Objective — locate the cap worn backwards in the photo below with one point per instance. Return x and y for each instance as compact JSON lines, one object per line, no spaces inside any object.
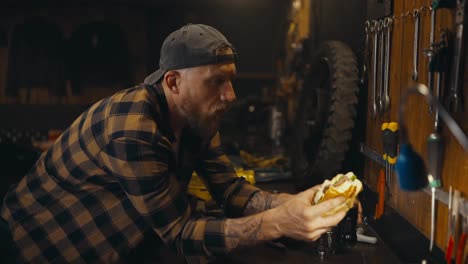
{"x":190,"y":46}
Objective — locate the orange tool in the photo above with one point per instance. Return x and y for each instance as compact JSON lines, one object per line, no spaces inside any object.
{"x":379,"y":207}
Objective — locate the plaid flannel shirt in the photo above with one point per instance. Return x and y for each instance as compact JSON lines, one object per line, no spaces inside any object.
{"x":111,"y":177}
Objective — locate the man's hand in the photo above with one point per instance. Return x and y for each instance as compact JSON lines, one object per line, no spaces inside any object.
{"x":299,"y":219}
{"x":295,"y":218}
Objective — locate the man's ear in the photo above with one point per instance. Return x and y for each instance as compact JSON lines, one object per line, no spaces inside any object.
{"x":171,"y":79}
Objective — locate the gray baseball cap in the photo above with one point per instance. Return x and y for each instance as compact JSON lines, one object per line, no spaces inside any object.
{"x":190,"y":46}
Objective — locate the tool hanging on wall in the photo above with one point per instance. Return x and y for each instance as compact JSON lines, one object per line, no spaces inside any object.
{"x":416,"y":16}
{"x":381,"y":35}
{"x":454,"y":103}
{"x":365,"y":60}
{"x":429,"y":52}
{"x":385,"y":99}
{"x":462,"y":242}
{"x":410,"y":166}
{"x":452,"y":231}
{"x":380,"y":206}
{"x":390,"y":149}
{"x":435,"y":146}
{"x":449,"y":213}
{"x":374,"y":67}
{"x":380,"y":32}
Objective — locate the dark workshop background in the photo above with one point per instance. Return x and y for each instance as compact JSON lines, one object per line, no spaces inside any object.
{"x":130,"y":34}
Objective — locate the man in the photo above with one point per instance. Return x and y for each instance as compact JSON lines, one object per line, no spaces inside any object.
{"x":122,"y":168}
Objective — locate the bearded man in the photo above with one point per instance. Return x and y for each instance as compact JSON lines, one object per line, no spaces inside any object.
{"x":121,"y":170}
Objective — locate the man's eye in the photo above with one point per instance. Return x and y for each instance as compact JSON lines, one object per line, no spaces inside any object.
{"x":218,"y":81}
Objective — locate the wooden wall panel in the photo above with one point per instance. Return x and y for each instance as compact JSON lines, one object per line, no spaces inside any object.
{"x":415,"y":206}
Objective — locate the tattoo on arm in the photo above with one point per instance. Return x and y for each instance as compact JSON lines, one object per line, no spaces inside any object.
{"x":262,"y":201}
{"x":244,"y":231}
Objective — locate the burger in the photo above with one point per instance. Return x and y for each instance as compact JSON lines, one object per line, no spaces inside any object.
{"x":347,"y":185}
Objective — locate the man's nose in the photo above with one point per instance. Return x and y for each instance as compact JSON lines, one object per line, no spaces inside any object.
{"x":228,"y":93}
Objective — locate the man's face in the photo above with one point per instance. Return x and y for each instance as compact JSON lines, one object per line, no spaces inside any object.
{"x":206,"y":92}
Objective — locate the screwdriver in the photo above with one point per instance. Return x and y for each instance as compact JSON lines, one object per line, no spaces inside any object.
{"x":435,"y":147}
{"x":452,"y":242}
{"x":435,"y":144}
{"x":390,"y":147}
{"x":462,"y":242}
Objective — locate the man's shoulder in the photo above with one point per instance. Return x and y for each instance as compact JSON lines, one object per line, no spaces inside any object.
{"x":133,"y":112}
{"x":134,"y":100}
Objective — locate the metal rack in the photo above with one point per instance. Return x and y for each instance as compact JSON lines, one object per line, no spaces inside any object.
{"x":441,"y":195}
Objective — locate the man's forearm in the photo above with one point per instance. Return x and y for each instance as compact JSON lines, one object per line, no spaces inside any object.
{"x":262,"y":201}
{"x":250,"y":230}
{"x":296,"y":218}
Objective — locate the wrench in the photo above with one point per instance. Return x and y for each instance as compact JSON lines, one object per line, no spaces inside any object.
{"x":374,"y":69}
{"x":387,"y":24}
{"x":366,"y":53}
{"x":430,"y":54}
{"x":415,"y":46}
{"x":454,"y":97}
{"x":381,"y":65}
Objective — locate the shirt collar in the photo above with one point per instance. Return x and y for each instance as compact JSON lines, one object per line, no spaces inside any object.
{"x":163,"y":124}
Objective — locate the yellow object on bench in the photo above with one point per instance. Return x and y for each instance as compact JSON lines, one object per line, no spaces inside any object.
{"x":198,"y":188}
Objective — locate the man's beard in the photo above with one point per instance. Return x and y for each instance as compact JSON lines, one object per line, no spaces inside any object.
{"x":202,"y":126}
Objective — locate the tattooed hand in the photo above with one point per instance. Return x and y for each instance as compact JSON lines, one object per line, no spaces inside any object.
{"x":295,"y":218}
{"x":299,"y":219}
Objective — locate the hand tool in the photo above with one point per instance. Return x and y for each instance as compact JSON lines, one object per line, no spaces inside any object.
{"x":433,"y":20}
{"x":386,"y":97}
{"x":430,"y":75}
{"x":385,"y":147}
{"x":435,"y":152}
{"x":434,"y":184}
{"x":439,"y":66}
{"x":453,"y":222}
{"x":430,"y":51}
{"x":416,"y":44}
{"x":379,"y":207}
{"x":449,"y":212}
{"x":454,"y":96}
{"x":435,"y":145}
{"x":456,"y":214}
{"x":374,"y":69}
{"x":390,"y":147}
{"x":381,"y":64}
{"x":462,"y":242}
{"x":365,"y":60}
{"x":393,"y":148}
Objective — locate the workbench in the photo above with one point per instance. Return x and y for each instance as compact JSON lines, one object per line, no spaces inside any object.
{"x":301,"y":252}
